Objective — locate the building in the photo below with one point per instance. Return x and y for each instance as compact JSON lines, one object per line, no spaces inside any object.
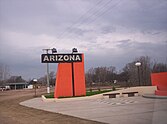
{"x":20,"y":85}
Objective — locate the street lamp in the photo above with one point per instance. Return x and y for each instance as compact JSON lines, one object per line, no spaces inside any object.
{"x":113,"y":87}
{"x":35,"y":85}
{"x":54,"y":50}
{"x":74,"y":50}
{"x":138,"y":64}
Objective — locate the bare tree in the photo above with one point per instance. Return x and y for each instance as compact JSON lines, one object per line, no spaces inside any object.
{"x":42,"y":80}
{"x":145,"y":70}
{"x":4,"y":73}
{"x":100,"y":75}
{"x":52,"y":78}
{"x":90,"y":77}
{"x":111,"y":74}
{"x":131,"y":72}
{"x":159,"y":67}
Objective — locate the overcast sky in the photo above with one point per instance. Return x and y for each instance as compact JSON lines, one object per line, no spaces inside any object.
{"x":109,"y":32}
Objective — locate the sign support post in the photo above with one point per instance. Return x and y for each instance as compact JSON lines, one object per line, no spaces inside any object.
{"x":48,"y":84}
{"x":47,"y":69}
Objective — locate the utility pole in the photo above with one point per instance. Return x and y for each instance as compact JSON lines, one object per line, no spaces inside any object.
{"x":47,"y":69}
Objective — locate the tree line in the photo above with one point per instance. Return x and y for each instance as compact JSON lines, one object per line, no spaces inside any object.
{"x":130,"y":75}
{"x":6,"y":78}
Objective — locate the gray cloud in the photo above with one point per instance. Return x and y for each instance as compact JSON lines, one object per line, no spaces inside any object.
{"x":141,"y":14}
{"x":108,"y":32}
{"x":108,"y":29}
{"x":130,"y":52}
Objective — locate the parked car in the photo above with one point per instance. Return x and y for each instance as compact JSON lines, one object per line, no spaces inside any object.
{"x":3,"y":88}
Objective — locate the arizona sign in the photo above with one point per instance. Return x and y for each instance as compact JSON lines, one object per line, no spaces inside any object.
{"x":61,"y":58}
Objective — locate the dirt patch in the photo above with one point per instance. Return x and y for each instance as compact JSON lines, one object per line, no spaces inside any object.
{"x":13,"y":113}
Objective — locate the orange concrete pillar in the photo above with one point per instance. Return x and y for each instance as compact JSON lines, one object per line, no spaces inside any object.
{"x":79,"y":78}
{"x":64,"y":87}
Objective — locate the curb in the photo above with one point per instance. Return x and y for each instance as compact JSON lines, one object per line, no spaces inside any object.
{"x":48,"y":100}
{"x":152,"y":96}
{"x":70,"y":99}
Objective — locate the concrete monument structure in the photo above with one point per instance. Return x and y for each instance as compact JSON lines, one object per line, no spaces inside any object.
{"x":70,"y":79}
{"x":160,"y":80}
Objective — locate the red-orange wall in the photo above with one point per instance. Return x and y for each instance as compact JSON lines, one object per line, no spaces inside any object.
{"x":63,"y":87}
{"x":160,"y":80}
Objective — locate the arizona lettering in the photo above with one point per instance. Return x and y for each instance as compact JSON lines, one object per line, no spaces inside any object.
{"x":58,"y":58}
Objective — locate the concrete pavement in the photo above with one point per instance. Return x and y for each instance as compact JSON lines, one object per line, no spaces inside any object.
{"x":131,"y":110}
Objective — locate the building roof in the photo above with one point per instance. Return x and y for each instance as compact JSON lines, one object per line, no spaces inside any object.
{"x":18,"y":83}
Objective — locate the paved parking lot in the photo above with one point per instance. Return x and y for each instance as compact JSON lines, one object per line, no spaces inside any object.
{"x":132,"y":110}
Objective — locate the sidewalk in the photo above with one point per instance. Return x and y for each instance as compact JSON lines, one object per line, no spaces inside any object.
{"x":132,"y":110}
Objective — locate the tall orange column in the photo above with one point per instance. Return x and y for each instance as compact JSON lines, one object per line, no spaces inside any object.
{"x":64,"y":86}
{"x":79,"y":78}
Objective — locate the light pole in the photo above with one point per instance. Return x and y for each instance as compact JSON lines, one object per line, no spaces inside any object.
{"x":138,"y":64}
{"x":113,"y":87}
{"x":47,"y":67}
{"x":74,"y":50}
{"x":35,"y":85}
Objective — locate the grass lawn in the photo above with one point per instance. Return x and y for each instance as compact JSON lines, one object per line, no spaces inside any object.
{"x":88,"y":93}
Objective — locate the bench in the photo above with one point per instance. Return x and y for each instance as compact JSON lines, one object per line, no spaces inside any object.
{"x":130,"y":94}
{"x":111,"y":95}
